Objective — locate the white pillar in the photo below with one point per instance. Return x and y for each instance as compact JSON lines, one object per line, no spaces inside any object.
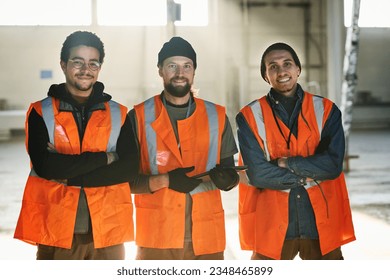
{"x":336,"y":46}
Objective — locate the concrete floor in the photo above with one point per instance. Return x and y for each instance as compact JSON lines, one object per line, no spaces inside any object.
{"x":368,"y":183}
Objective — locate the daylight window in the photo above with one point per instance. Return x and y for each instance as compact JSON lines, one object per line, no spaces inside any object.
{"x":45,"y":12}
{"x":372,"y":13}
{"x":150,"y":12}
{"x":108,"y":12}
{"x":124,"y":12}
{"x":193,"y":13}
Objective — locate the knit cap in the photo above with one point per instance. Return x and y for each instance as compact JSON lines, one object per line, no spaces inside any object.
{"x":177,"y":46}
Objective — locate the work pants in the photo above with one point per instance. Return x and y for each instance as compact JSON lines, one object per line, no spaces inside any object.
{"x":308,"y":249}
{"x":186,"y":253}
{"x":82,"y":249}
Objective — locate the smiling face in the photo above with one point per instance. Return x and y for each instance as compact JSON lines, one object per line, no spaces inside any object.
{"x":281,"y":72}
{"x":178,"y":74}
{"x":79,"y":81}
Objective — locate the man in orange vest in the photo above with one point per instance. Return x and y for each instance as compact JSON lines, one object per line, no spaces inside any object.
{"x":180,"y":135}
{"x":77,"y":203}
{"x":295,"y":200}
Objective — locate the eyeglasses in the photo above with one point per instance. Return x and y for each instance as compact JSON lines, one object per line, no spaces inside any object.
{"x":78,"y":63}
{"x":173,"y":68}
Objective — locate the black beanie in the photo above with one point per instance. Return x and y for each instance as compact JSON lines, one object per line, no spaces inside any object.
{"x":177,"y":46}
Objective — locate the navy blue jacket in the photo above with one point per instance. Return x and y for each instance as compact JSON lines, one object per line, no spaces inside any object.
{"x":326,"y":164}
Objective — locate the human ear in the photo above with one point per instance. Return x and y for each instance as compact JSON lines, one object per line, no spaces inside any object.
{"x":63,"y":66}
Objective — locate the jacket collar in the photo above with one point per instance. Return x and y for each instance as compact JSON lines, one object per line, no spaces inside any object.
{"x":67,"y":103}
{"x":299,"y":92}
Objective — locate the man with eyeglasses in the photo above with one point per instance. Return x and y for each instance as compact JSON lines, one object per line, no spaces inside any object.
{"x":77,"y":203}
{"x":178,"y":216}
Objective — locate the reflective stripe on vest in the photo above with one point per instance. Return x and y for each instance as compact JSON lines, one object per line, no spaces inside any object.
{"x":48,"y":117}
{"x":213,"y":147}
{"x":319,"y":112}
{"x":151,"y":134}
{"x":258,"y":115}
{"x":213,"y":137}
{"x":151,"y":137}
{"x":115,"y":126}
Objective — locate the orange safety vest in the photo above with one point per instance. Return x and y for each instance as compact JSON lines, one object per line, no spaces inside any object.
{"x":263,"y":213}
{"x":160,"y":217}
{"x":48,"y":212}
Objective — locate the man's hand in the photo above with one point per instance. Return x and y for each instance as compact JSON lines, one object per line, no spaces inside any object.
{"x":282,"y":162}
{"x":111,"y":157}
{"x":51,"y":148}
{"x":62,"y":181}
{"x":224,"y":178}
{"x":180,"y":182}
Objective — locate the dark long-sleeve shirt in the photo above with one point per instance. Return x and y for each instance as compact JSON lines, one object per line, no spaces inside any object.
{"x":88,"y":169}
{"x":140,"y":184}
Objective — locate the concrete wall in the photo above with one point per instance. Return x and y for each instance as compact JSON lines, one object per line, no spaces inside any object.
{"x":228,"y":50}
{"x":129,"y":71}
{"x":374,"y":63}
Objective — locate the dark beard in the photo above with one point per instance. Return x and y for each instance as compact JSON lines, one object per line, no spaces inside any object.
{"x":178,"y":91}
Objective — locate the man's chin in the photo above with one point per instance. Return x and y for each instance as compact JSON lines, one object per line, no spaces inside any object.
{"x":84,"y":87}
{"x":178,"y":91}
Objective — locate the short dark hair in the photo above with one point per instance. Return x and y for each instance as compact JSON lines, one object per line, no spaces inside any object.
{"x":82,"y":38}
{"x":277,"y":47}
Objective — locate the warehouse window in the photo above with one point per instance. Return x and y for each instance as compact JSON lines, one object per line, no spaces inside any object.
{"x":124,"y":12}
{"x":45,"y":12}
{"x":108,"y":12}
{"x":150,"y":12}
{"x":193,"y":13}
{"x":372,"y":13}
